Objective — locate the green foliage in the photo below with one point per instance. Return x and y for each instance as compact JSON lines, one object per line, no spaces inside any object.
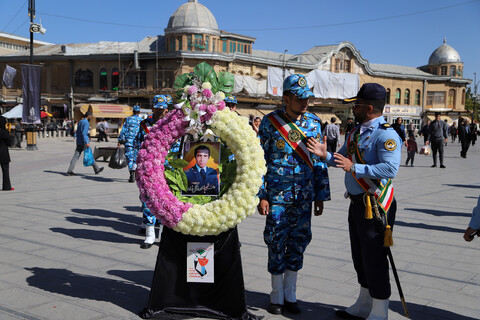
{"x":181,"y":82}
{"x":225,"y":82}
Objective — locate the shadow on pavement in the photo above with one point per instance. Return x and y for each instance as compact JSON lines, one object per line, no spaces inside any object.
{"x":439,"y":213}
{"x":134,"y":208}
{"x":96,"y":235}
{"x":109,"y":214}
{"x":463,"y":186}
{"x":126,"y":295}
{"x":63,"y":173}
{"x":421,"y":312}
{"x":141,"y":277}
{"x":429,"y":227}
{"x":127,"y":228}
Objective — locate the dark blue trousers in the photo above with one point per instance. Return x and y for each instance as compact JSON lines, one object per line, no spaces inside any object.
{"x":368,"y":253}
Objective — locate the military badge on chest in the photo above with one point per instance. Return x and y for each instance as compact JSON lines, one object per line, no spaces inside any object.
{"x":352,"y":147}
{"x":280,"y":144}
{"x":294,"y":135}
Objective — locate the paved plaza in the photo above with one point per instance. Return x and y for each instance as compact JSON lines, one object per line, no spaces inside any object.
{"x":69,"y":246}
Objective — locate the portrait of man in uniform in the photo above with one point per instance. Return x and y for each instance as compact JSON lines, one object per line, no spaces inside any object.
{"x":202,"y":174}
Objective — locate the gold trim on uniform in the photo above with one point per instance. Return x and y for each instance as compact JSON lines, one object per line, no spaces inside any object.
{"x":294,"y":135}
{"x":390,"y":145}
{"x":280,"y":144}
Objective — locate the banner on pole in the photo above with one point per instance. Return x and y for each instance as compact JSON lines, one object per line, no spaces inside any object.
{"x":8,"y":76}
{"x":32,"y":88}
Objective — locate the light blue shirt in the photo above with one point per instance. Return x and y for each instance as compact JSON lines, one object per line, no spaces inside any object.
{"x":82,"y":132}
{"x":381,"y":149}
{"x":475,"y":220}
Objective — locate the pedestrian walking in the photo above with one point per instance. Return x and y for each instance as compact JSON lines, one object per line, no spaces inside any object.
{"x":102,"y":130}
{"x":425,"y":132}
{"x":83,"y":142}
{"x":465,"y":137}
{"x":370,"y":158}
{"x":398,"y":126}
{"x":438,"y":135}
{"x":294,"y":180}
{"x":411,"y":149}
{"x":6,"y":140}
{"x":18,"y":133}
{"x":333,"y":135}
{"x":453,"y":131}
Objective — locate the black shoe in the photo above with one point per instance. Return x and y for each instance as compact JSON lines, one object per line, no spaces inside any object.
{"x":345,"y":315}
{"x":132,"y":177}
{"x":146,"y":245}
{"x":70,"y":173}
{"x":275,"y":308}
{"x":433,"y":166}
{"x":99,"y":170}
{"x":442,"y":166}
{"x":292,"y":307}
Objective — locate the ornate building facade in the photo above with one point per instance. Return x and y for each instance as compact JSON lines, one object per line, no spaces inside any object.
{"x":133,"y":72}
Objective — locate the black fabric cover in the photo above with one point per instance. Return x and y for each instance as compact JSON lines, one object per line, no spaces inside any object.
{"x":170,"y":292}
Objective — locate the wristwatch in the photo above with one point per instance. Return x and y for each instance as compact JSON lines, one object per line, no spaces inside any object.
{"x":352,"y":168}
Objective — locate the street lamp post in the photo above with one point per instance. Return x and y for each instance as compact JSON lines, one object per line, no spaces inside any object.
{"x":475,"y":85}
{"x":283,"y":64}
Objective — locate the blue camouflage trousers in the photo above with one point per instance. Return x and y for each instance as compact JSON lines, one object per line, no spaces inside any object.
{"x":148,"y":218}
{"x":131,"y":155}
{"x":287,"y":234}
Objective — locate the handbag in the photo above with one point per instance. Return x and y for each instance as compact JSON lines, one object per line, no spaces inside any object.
{"x":425,"y":150}
{"x":88,"y":159}
{"x":118,"y":159}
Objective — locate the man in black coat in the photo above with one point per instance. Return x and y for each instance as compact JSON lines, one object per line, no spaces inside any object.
{"x":438,"y":131}
{"x":465,"y":137}
{"x":5,"y":141}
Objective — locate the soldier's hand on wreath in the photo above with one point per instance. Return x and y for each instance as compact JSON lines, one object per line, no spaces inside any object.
{"x":342,"y":162}
{"x":263,"y":207}
{"x":318,"y":207}
{"x":318,"y":148}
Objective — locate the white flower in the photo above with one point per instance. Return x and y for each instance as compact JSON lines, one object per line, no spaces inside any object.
{"x":206,"y":85}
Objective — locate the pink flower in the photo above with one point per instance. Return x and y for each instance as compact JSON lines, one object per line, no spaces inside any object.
{"x":221,"y":105}
{"x":211,"y":109}
{"x":202,"y":107}
{"x":208,"y":116}
{"x":207,"y":93}
{"x":192,"y":90}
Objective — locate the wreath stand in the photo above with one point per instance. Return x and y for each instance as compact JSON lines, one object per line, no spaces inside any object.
{"x":172,"y":294}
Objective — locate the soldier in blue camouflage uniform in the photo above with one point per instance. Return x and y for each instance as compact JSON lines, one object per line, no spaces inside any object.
{"x":290,"y":186}
{"x":128,"y":137}
{"x":159,"y":108}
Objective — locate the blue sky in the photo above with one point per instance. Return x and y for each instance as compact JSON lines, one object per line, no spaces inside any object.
{"x":390,"y":32}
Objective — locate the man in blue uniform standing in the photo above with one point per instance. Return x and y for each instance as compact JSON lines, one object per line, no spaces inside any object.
{"x":83,"y":142}
{"x":371,"y":158}
{"x":294,"y":180}
{"x":128,"y":137}
{"x":159,"y":111}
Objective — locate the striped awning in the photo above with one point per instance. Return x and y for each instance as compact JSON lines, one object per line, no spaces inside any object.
{"x":105,"y":110}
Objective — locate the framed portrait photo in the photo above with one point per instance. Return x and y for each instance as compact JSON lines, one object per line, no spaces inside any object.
{"x":202,"y":170}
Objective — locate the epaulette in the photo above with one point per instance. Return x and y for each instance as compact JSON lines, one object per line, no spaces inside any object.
{"x":385,"y":126}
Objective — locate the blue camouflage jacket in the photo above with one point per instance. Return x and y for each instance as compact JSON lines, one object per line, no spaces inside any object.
{"x":289,"y":178}
{"x":130,"y":131}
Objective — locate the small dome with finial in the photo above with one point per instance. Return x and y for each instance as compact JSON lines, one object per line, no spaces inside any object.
{"x":444,"y":54}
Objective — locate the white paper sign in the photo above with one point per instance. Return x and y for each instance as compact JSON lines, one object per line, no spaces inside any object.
{"x":200,"y":262}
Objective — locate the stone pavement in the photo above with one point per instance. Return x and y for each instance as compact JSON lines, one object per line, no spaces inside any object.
{"x":69,"y":246}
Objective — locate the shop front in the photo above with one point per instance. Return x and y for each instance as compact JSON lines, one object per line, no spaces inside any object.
{"x":115,"y":114}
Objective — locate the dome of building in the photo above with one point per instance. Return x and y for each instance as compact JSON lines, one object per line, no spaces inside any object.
{"x":192,"y":17}
{"x":444,"y":54}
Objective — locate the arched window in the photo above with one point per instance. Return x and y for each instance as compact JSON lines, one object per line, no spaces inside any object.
{"x":451,"y":98}
{"x":417,"y":97}
{"x":397,"y":96}
{"x":453,"y":71}
{"x":103,"y":79}
{"x":84,"y":78}
{"x":115,"y":79}
{"x":443,"y":71}
{"x":387,"y":100}
{"x":406,"y":99}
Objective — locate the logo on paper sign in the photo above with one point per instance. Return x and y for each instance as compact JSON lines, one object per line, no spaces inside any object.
{"x":200,"y":262}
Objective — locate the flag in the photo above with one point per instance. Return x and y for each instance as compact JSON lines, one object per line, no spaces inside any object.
{"x":31,"y":87}
{"x":8,"y":76}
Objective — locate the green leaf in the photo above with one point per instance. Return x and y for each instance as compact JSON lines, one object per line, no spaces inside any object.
{"x":177,"y":163}
{"x":203,"y":71}
{"x":180,"y":82}
{"x":226,"y":81}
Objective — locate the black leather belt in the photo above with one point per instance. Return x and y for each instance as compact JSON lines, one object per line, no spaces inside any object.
{"x":357,"y":198}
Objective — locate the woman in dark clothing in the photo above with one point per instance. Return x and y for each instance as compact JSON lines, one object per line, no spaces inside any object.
{"x":5,"y":141}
